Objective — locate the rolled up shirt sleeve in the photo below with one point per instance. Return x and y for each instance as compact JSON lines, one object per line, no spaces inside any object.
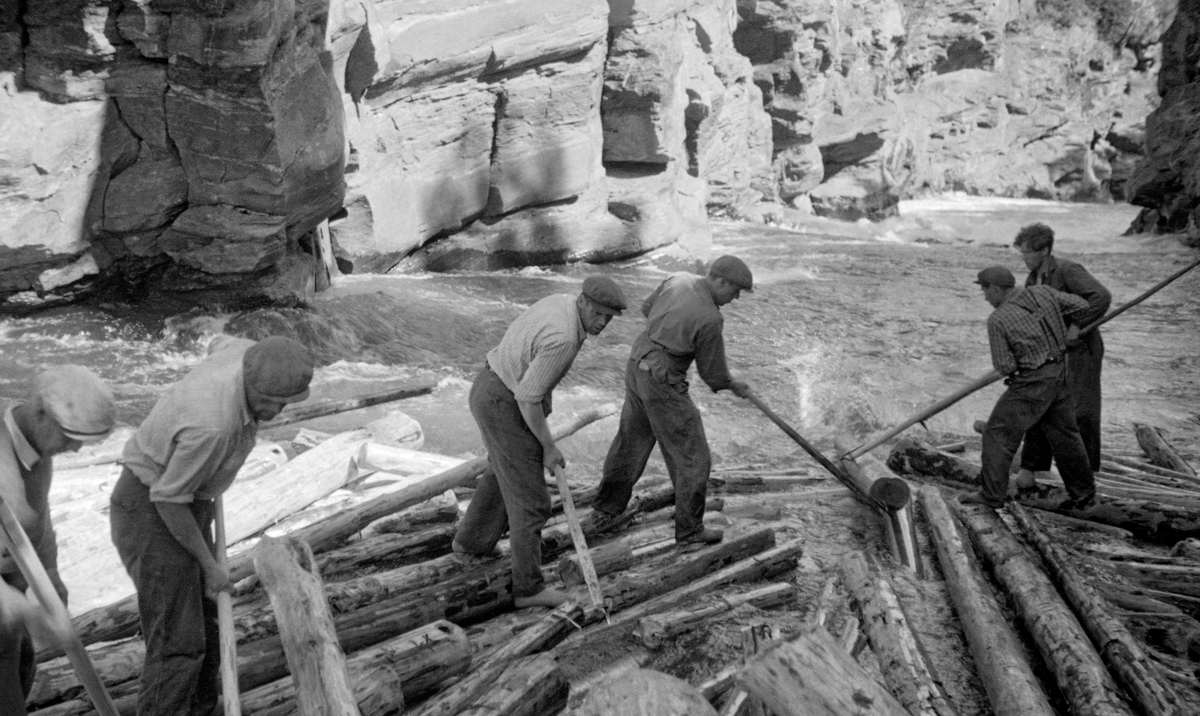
{"x":549,"y":365}
{"x":197,"y":455}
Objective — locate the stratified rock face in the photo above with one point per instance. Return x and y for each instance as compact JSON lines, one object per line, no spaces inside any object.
{"x":1167,"y":181}
{"x":173,"y":145}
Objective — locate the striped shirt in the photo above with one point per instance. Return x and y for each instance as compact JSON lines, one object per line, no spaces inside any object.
{"x":538,"y":348}
{"x":1028,"y":329}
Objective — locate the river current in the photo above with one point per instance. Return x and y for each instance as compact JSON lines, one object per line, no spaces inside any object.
{"x":850,"y":328}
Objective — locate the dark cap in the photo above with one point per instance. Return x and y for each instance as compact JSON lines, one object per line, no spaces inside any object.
{"x":605,"y":294}
{"x":733,"y":270}
{"x":996,"y":276}
{"x":78,"y":400}
{"x":278,"y":368}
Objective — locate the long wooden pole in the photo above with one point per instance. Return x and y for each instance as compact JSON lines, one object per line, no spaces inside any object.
{"x":228,"y":639}
{"x":992,"y":376}
{"x":13,"y":535}
{"x":581,"y":546}
{"x":330,"y":407}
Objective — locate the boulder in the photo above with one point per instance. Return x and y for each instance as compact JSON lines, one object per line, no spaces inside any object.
{"x":147,"y":195}
{"x":225,"y":239}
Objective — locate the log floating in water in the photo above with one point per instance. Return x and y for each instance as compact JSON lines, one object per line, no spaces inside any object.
{"x":812,"y":676}
{"x":1159,"y":450}
{"x":901,"y":658}
{"x":1113,"y":641}
{"x":315,"y":660}
{"x":1007,"y":676}
{"x":1078,"y":670}
{"x":653,"y":630}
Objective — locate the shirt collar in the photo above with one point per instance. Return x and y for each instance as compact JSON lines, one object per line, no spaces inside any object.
{"x":26,"y":453}
{"x":1047,"y":267}
{"x":581,"y":333}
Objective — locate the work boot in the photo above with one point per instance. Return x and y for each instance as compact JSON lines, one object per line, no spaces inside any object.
{"x":1082,"y":503}
{"x":548,"y":597}
{"x":600,"y":522}
{"x":462,"y":552}
{"x":706,"y":535}
{"x":977,"y":498}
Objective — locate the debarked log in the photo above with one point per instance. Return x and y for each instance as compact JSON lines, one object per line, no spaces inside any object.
{"x":1152,"y":520}
{"x":416,"y":663}
{"x":1115,"y":644}
{"x":530,"y":686}
{"x":1159,"y":450}
{"x":120,"y":619}
{"x":654,"y":630}
{"x":1007,"y":676}
{"x":1064,"y":645}
{"x":812,"y":675}
{"x":902,"y":660}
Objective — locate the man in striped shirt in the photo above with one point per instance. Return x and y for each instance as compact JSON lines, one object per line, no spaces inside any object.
{"x":1028,"y":338}
{"x":510,"y":399}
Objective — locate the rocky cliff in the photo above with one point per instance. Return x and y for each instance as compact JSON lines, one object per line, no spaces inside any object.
{"x":231,"y":151}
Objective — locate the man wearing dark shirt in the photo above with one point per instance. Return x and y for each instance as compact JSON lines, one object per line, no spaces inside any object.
{"x":1027,"y":335}
{"x":1084,"y":355}
{"x":683,"y":325}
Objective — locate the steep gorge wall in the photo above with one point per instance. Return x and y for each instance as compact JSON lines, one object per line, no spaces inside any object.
{"x":195,"y":149}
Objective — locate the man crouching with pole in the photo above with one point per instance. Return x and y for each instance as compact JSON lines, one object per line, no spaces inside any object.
{"x":184,"y":455}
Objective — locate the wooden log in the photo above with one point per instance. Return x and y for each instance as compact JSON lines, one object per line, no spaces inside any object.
{"x":891,"y":492}
{"x":387,"y":550}
{"x":1178,"y":579}
{"x":1115,"y":644}
{"x":581,"y":687}
{"x":231,"y":705}
{"x":315,"y":660}
{"x":417,"y":662}
{"x":1107,"y":461}
{"x":1078,"y":670}
{"x":1160,"y":451}
{"x":812,"y":676}
{"x":642,"y":692}
{"x":531,"y":686}
{"x":1149,"y":519}
{"x":546,"y":633}
{"x":120,"y":620}
{"x":901,"y":658}
{"x":697,"y":573}
{"x":611,"y":557}
{"x":732,"y":484}
{"x":652,"y":631}
{"x":116,"y":662}
{"x":374,"y":457}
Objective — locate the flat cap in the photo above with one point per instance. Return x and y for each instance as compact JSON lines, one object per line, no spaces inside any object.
{"x":733,"y":270}
{"x":279,"y":368}
{"x":996,"y":276}
{"x":78,"y":400}
{"x":605,"y":294}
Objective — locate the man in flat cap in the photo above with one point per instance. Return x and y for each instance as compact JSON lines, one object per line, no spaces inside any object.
{"x":1028,"y":337}
{"x":1084,"y":354}
{"x":510,"y":399}
{"x":186,"y":453}
{"x":67,"y":407}
{"x":684,"y":324}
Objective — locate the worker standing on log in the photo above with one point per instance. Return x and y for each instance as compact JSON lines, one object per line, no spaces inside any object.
{"x":684,"y":324}
{"x":1028,"y":338}
{"x":68,"y":406}
{"x":510,"y":399}
{"x":1084,"y":354}
{"x":186,"y":453}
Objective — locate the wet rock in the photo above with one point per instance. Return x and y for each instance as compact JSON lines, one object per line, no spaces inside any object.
{"x":225,"y":239}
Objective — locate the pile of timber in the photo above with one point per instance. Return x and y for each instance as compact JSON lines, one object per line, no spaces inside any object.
{"x":394,"y":605}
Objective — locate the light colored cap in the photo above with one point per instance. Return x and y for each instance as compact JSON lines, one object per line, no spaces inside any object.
{"x":78,"y":400}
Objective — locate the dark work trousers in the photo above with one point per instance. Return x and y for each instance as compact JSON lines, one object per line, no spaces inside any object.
{"x":17,"y":662}
{"x":1083,"y":383}
{"x":1035,"y":398}
{"x":181,"y":672}
{"x":656,"y":412}
{"x":511,"y":494}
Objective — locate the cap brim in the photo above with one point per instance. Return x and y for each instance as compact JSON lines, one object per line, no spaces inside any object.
{"x":298,"y":397}
{"x":88,"y":438}
{"x":600,"y":307}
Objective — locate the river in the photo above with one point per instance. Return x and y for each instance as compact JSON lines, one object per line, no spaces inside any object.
{"x":851,"y":328}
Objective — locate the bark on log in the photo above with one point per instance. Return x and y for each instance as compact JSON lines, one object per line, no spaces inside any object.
{"x":812,"y":676}
{"x":1116,"y":645}
{"x":415,"y":662}
{"x":546,"y":633}
{"x":1181,"y":580}
{"x":120,"y":620}
{"x":315,"y":660}
{"x":739,"y":484}
{"x":392,"y":550}
{"x":611,"y":557}
{"x":329,"y":407}
{"x":1078,"y":670}
{"x":1152,"y":520}
{"x":1011,"y":685}
{"x":652,"y":631}
{"x":1160,"y":451}
{"x":532,"y":686}
{"x":901,"y":658}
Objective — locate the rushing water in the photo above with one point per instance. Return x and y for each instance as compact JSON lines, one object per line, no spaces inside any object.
{"x":850,"y":329}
